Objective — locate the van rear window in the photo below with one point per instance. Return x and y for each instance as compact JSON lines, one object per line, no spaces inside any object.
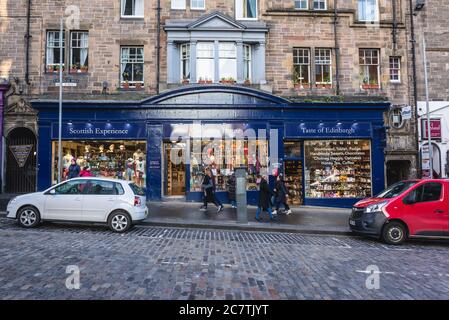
{"x":138,"y":191}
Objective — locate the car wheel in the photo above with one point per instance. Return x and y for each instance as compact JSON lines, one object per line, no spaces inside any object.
{"x":119,"y":221}
{"x":394,"y":233}
{"x":28,"y":217}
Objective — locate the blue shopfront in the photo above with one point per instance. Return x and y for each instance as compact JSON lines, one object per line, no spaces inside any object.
{"x":331,"y":154}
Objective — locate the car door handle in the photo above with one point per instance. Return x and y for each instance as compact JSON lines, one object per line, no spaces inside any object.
{"x":439,"y":211}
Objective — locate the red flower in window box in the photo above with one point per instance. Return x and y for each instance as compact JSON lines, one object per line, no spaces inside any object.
{"x":185,"y":81}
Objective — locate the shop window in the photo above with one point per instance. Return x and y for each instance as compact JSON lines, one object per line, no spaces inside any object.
{"x":53,"y":51}
{"x":368,"y":10}
{"x":205,"y":65}
{"x":337,"y":168}
{"x":292,"y":149}
{"x":185,"y":61}
{"x":319,"y":4}
{"x":323,"y":67}
{"x":108,"y":159}
{"x":227,"y":61}
{"x":178,"y":4}
{"x":301,"y":66}
{"x":132,"y":8}
{"x":197,"y":4}
{"x":132,"y":66}
{"x":246,"y":9}
{"x":369,"y":68}
{"x":301,"y":4}
{"x":247,"y":62}
{"x":79,"y":51}
{"x":223,"y":156}
{"x":293,"y":171}
{"x":395,"y":69}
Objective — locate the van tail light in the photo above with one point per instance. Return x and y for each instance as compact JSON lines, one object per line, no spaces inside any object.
{"x":137,"y":201}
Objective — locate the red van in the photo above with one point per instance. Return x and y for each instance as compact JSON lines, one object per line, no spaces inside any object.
{"x":412,"y":208}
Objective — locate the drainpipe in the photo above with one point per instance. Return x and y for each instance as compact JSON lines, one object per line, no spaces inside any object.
{"x":415,"y":90}
{"x":337,"y":51}
{"x":27,"y":38}
{"x":395,"y":24}
{"x":158,"y":47}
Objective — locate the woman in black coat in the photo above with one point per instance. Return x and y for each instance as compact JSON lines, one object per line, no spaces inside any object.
{"x":265,"y":195}
{"x":281,"y":195}
{"x":74,"y":170}
{"x":208,"y":189}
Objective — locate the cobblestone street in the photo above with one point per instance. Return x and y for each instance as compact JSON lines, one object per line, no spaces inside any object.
{"x":167,"y":263}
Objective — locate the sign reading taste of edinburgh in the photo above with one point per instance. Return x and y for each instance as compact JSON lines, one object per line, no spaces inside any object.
{"x":100,"y":130}
{"x":21,"y":153}
{"x":328,"y":129}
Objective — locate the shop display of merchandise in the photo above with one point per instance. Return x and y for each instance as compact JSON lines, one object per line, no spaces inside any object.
{"x":293,"y":181}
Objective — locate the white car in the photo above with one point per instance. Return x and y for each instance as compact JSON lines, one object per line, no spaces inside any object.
{"x":118,"y":203}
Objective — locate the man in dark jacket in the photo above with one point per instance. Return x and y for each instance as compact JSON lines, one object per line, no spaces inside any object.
{"x":208,"y":189}
{"x":74,"y":169}
{"x":264,"y":198}
{"x":281,"y":195}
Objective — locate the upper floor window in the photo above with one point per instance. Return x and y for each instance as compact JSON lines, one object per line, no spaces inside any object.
{"x":53,"y":51}
{"x":323,"y":66}
{"x":368,"y":10}
{"x":79,"y":54}
{"x":227,"y":64}
{"x":301,"y":66}
{"x":205,"y":65}
{"x":131,"y":66}
{"x":302,"y":4}
{"x":246,"y":9}
{"x":369,"y":68}
{"x":178,"y":4}
{"x":197,"y":4}
{"x":132,"y":8}
{"x":247,"y":62}
{"x":185,"y":61}
{"x":319,"y":4}
{"x":395,"y":69}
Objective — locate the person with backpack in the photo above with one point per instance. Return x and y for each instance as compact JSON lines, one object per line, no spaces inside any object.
{"x":281,"y":195}
{"x":265,"y":194}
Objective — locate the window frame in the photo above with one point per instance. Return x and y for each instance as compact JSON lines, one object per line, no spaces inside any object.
{"x":183,"y":7}
{"x":319,"y":2}
{"x":367,"y":65}
{"x":301,"y":1}
{"x":247,"y":59}
{"x":330,"y":82}
{"x":240,"y":4}
{"x":376,"y":18}
{"x":122,"y":15}
{"x":398,"y":69}
{"x":198,"y":78}
{"x":64,"y":46}
{"x":221,"y":58}
{"x":181,"y":59}
{"x":303,"y":64}
{"x":131,"y":82}
{"x":72,"y":47}
{"x":198,"y":8}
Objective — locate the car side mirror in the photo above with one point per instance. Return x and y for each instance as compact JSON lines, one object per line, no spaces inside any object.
{"x":52,"y":192}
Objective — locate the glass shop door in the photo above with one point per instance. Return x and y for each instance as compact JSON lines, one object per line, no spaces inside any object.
{"x":175,"y":170}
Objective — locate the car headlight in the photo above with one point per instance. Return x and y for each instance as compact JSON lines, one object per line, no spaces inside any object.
{"x":377,"y":207}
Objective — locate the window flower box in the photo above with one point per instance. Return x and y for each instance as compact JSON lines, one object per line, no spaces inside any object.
{"x":247,"y":82}
{"x":209,"y":81}
{"x":185,"y":81}
{"x":138,"y":85}
{"x":201,"y":81}
{"x":328,"y":86}
{"x":125,"y":85}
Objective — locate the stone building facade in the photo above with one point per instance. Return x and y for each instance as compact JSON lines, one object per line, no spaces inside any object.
{"x":329,"y":35}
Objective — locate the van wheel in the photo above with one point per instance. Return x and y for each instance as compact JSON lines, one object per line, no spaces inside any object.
{"x":119,"y":221}
{"x":394,"y":233}
{"x":28,"y":217}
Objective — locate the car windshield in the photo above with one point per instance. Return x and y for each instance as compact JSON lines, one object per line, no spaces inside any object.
{"x":138,"y":191}
{"x":396,"y":189}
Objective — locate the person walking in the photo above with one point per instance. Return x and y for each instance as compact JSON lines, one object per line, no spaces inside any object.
{"x":281,"y":195}
{"x":264,"y":198}
{"x":230,"y":184}
{"x":74,"y":170}
{"x":208,"y":190}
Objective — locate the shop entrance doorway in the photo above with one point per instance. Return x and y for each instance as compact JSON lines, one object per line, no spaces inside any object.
{"x":175,"y":169}
{"x":397,"y":170}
